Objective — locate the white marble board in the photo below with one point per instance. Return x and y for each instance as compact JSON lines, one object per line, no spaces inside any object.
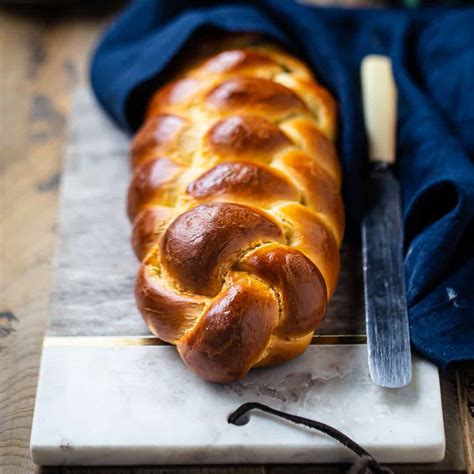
{"x":105,"y":398}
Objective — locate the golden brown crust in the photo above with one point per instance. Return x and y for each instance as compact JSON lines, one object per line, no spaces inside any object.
{"x":172,"y":95}
{"x":152,"y":184}
{"x":243,"y":182}
{"x":148,"y":228}
{"x":158,"y":136}
{"x":281,"y":350}
{"x":241,"y":136}
{"x":301,"y":287}
{"x":252,"y":94}
{"x":236,"y":61}
{"x":168,"y":314}
{"x":319,"y":190}
{"x":236,"y":209}
{"x":313,"y":142}
{"x":202,"y":244}
{"x":310,"y":236}
{"x":233,"y":332}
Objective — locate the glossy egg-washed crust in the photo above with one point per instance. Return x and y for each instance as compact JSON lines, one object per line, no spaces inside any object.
{"x":236,"y":209}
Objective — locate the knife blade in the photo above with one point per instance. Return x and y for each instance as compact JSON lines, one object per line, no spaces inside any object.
{"x":388,"y":336}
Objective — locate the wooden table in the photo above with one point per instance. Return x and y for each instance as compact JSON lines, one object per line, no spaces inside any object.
{"x":43,"y":57}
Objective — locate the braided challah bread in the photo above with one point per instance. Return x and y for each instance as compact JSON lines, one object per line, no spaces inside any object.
{"x":236,"y":210}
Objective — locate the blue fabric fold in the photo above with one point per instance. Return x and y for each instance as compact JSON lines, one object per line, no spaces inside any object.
{"x":432,"y":51}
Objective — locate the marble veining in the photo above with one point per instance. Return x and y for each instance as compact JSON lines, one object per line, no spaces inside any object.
{"x":140,"y":404}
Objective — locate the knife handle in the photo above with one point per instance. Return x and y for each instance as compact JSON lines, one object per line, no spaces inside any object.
{"x":379,"y":99}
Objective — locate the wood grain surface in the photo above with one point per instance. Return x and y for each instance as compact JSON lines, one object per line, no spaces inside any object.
{"x":44,"y":52}
{"x":43,"y":56}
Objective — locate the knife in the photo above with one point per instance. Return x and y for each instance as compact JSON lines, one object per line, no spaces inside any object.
{"x":388,"y":336}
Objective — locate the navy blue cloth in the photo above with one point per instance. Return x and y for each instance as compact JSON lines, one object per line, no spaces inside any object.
{"x":433,"y":58}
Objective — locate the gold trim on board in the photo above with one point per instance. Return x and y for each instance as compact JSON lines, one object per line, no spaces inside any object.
{"x":121,"y":341}
{"x":102,"y":341}
{"x":338,"y":339}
